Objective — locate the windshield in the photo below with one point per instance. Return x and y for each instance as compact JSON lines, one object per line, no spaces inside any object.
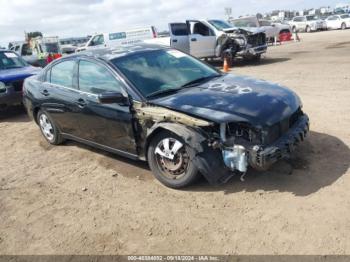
{"x":245,"y":22}
{"x":220,"y":24}
{"x":10,"y":60}
{"x":160,"y":71}
{"x":345,"y":16}
{"x":51,"y":48}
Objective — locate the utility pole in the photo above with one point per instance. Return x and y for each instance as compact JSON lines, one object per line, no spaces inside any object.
{"x":228,"y":12}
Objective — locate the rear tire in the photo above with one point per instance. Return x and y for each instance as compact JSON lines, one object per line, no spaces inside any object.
{"x":48,"y":128}
{"x":343,"y":26}
{"x":308,"y":29}
{"x":177,"y":173}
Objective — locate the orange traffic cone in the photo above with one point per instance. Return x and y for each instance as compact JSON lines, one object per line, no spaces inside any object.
{"x":226,"y":66}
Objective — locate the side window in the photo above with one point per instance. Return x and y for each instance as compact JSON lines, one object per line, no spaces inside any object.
{"x":201,"y":29}
{"x":97,"y":40}
{"x":26,"y":50}
{"x":96,"y":79}
{"x":179,"y":29}
{"x":62,"y":73}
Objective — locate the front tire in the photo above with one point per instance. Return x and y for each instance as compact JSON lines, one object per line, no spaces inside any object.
{"x":48,"y":128}
{"x":177,"y":172}
{"x":308,"y":29}
{"x":343,"y":26}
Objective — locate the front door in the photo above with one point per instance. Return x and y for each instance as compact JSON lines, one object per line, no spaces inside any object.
{"x":202,"y":40}
{"x":105,"y":124}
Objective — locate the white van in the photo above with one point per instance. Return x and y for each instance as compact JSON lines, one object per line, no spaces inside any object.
{"x":119,"y":38}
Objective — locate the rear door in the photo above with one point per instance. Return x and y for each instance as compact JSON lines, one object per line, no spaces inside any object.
{"x":61,"y":97}
{"x":104,"y":124}
{"x":331,"y":22}
{"x":202,"y":40}
{"x":302,"y":24}
{"x":179,"y":36}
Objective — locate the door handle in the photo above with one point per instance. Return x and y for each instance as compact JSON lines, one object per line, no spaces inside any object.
{"x":174,"y":40}
{"x":81,"y":103}
{"x":193,"y":39}
{"x":45,"y":92}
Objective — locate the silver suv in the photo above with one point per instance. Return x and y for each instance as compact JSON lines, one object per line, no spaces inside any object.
{"x":308,"y":23}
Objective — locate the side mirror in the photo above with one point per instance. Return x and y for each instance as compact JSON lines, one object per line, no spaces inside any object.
{"x":113,"y":98}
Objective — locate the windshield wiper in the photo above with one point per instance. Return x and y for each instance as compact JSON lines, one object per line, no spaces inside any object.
{"x":163,"y":92}
{"x":201,"y":80}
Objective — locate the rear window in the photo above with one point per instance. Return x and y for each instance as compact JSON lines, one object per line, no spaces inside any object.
{"x":345,"y":16}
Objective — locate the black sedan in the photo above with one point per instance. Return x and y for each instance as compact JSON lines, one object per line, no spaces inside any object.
{"x":158,"y":104}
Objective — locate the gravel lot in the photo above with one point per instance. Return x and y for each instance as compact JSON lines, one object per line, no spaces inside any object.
{"x":301,"y":206}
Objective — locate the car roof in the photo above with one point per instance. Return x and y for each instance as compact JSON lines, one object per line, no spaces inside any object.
{"x":110,"y":53}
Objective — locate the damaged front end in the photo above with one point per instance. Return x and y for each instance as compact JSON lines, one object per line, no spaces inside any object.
{"x":261,"y":147}
{"x":242,"y":42}
{"x":222,"y":150}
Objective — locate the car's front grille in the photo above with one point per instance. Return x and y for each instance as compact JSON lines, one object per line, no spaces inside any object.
{"x":257,"y":39}
{"x":274,"y":132}
{"x":17,"y":85}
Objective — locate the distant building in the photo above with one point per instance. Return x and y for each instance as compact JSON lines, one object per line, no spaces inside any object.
{"x":344,"y":7}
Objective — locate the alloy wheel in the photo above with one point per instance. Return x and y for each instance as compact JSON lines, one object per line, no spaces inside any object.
{"x":46,"y":127}
{"x":172,"y":158}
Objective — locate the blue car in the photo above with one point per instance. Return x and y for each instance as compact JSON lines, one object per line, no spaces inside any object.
{"x":13,"y":71}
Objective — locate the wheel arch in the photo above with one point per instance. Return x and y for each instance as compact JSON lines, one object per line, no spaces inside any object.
{"x":192,"y":137}
{"x":35,"y":113}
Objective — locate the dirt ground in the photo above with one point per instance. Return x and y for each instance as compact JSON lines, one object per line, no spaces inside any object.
{"x":301,"y":206}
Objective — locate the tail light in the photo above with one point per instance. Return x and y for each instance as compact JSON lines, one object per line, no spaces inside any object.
{"x":154,"y":32}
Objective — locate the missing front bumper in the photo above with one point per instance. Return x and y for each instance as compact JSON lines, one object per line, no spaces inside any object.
{"x":262,"y":158}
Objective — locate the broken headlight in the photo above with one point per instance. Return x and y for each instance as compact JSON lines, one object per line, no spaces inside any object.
{"x":241,"y":41}
{"x":244,"y":131}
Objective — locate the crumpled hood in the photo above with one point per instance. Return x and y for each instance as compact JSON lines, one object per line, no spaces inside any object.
{"x":8,"y":75}
{"x":235,"y":99}
{"x":252,"y":30}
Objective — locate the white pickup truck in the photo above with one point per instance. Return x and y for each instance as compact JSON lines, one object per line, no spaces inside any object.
{"x":215,"y":39}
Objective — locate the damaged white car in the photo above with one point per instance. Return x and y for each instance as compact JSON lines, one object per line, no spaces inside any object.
{"x":215,"y":39}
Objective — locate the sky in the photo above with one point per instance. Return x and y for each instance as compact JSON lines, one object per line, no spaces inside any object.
{"x":67,"y":18}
